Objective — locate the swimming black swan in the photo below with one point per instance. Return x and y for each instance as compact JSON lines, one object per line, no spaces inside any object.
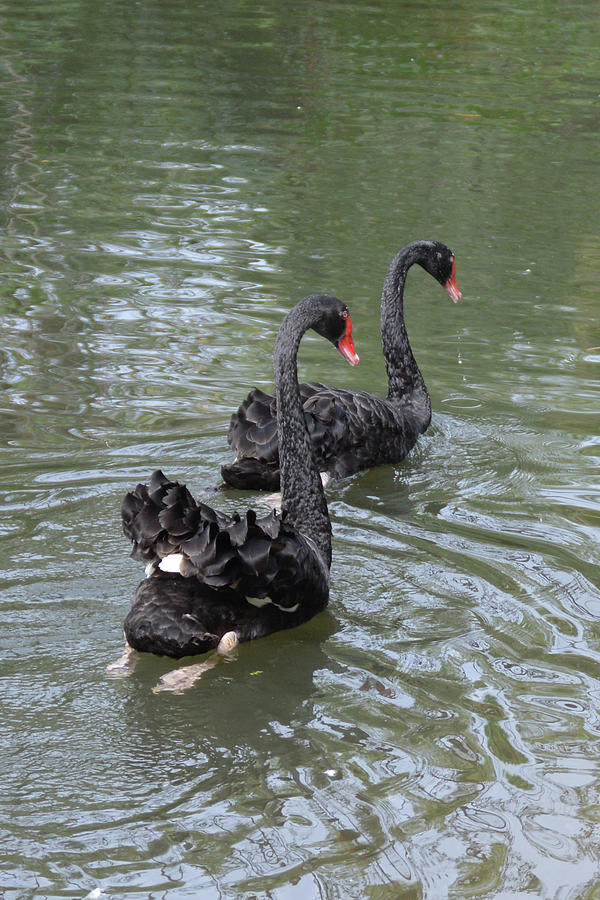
{"x":218,"y":580}
{"x":350,"y":430}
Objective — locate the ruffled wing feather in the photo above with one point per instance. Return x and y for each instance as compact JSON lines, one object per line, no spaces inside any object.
{"x":256,"y":557}
{"x":349,"y":431}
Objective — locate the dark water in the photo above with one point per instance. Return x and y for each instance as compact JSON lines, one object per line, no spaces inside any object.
{"x":174,"y":177}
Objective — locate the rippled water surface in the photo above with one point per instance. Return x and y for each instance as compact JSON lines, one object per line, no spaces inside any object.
{"x":174,"y":177}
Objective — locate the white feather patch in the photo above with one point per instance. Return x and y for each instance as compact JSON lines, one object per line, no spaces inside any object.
{"x":171,"y":563}
{"x":259,"y":601}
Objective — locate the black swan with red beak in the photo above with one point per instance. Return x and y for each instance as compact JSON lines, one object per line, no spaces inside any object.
{"x":350,"y":430}
{"x":214,"y":579}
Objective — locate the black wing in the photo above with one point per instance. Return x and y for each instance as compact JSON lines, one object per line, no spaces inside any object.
{"x":255,"y":557}
{"x":349,"y":431}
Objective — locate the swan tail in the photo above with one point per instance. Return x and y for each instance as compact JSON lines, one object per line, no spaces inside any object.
{"x":179,"y":627}
{"x":254,"y":557}
{"x":253,"y":428}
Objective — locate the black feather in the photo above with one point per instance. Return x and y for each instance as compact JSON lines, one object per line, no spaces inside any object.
{"x":349,"y":430}
{"x":224,"y":562}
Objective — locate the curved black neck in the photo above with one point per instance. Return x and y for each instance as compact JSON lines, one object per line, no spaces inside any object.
{"x":405,"y":381}
{"x":302,"y":495}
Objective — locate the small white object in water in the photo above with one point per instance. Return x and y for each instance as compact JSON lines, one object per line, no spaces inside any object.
{"x":96,"y":894}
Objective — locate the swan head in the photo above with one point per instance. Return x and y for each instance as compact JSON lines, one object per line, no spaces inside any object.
{"x":335,"y":324}
{"x":440,"y":263}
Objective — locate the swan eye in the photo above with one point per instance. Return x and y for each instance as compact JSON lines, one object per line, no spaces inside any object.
{"x":345,"y":314}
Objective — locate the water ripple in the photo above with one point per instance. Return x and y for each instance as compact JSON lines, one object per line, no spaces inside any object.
{"x":434,"y":733}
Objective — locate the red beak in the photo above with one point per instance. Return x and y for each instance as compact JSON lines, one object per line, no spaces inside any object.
{"x":451,"y":286}
{"x":346,"y":345}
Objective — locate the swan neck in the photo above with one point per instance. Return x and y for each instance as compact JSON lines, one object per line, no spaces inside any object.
{"x":405,"y":380}
{"x":302,"y":495}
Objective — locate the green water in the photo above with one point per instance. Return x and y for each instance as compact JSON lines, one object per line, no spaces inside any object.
{"x":175,"y":176}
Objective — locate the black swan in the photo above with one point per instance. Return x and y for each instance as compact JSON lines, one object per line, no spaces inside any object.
{"x":214,"y":579}
{"x":350,"y":430}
